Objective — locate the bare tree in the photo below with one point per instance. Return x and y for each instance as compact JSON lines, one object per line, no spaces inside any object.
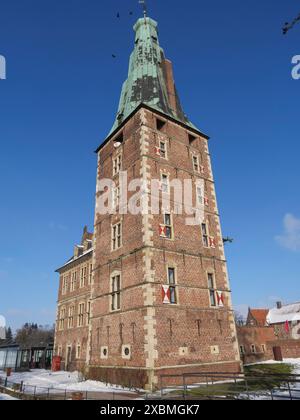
{"x":239,"y":319}
{"x":32,"y":335}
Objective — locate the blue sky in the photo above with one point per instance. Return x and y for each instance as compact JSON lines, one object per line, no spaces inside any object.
{"x":233,"y":72}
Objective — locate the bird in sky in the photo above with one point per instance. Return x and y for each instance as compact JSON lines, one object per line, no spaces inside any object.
{"x":289,"y":26}
{"x":228,"y":240}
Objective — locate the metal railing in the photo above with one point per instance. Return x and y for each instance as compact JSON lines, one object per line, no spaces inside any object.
{"x":230,"y":386}
{"x":25,"y":391}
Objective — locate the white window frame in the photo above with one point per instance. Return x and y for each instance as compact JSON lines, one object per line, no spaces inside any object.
{"x":83,"y":275}
{"x":64,"y":288}
{"x":116,"y":236}
{"x":196,"y":165}
{"x":205,"y":235}
{"x":212,"y":291}
{"x":61,"y":319}
{"x":73,"y":281}
{"x":173,"y":285}
{"x":116,"y":194}
{"x":71,"y":315}
{"x":117,"y":164}
{"x":171,"y":226}
{"x":81,"y":314}
{"x":90,"y":274}
{"x":201,"y":201}
{"x":88,"y":312}
{"x":115,"y":291}
{"x":165,"y":182}
{"x":163,"y":151}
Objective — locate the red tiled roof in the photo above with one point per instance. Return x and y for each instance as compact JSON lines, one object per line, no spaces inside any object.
{"x":260,"y":315}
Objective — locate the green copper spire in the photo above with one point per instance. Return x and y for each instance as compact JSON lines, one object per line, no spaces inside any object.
{"x":150,"y":78}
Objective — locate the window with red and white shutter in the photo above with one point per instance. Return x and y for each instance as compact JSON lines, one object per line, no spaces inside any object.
{"x":220,"y":299}
{"x":157,"y":151}
{"x":163,"y":231}
{"x":166,"y":295}
{"x":212,"y":242}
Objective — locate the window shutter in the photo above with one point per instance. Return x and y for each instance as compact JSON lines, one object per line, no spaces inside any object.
{"x":157,"y":151}
{"x":220,"y":299}
{"x":163,"y":231}
{"x":166,"y":295}
{"x":212,"y":242}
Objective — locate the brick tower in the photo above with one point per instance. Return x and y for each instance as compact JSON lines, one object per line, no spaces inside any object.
{"x":160,"y":298}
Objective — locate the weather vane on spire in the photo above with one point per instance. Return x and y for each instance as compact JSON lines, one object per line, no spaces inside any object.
{"x":144,"y":5}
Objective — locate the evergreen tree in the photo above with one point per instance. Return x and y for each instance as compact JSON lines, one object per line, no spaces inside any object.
{"x":9,"y":334}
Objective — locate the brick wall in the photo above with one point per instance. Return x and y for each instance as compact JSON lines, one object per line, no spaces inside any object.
{"x":264,"y":339}
{"x":190,"y":334}
{"x":259,"y":337}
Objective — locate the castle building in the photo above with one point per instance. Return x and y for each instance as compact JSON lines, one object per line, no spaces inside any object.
{"x":73,"y":312}
{"x":159,"y":297}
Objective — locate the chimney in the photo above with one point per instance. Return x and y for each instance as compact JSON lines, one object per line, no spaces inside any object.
{"x":279,"y":305}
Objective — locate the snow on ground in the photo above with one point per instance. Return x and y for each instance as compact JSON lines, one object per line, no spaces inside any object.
{"x":60,"y":381}
{"x":4,"y":397}
{"x":283,"y":392}
{"x":293,"y":362}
